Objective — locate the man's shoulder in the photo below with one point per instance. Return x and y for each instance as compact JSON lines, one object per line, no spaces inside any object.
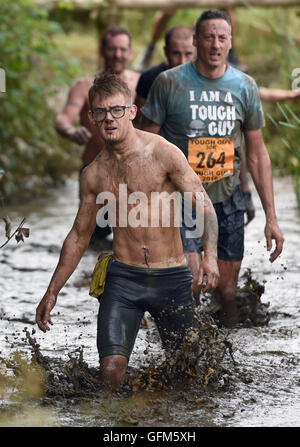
{"x":158,"y":144}
{"x":84,"y":82}
{"x":132,"y":74}
{"x":152,"y":72}
{"x":175,"y":75}
{"x":148,"y":77}
{"x":151,"y":140}
{"x":180,"y":70}
{"x":94,"y":172}
{"x":82,"y":86}
{"x":239,"y":75}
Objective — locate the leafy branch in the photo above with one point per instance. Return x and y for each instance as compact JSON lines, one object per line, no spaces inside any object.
{"x":20,"y":231}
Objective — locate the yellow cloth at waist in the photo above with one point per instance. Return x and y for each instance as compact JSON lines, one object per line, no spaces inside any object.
{"x":99,"y":275}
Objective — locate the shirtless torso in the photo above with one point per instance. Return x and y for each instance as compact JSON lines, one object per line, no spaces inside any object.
{"x":143,"y":163}
{"x":140,"y":170}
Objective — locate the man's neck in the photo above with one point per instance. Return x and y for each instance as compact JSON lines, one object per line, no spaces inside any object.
{"x":210,"y":72}
{"x":122,"y":148}
{"x":122,"y":73}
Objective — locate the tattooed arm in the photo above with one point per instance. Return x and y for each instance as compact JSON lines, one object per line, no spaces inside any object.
{"x":209,"y":265}
{"x":188,"y":183}
{"x":70,"y":113}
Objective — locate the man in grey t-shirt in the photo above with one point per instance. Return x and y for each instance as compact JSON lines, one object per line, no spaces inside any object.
{"x":206,"y":108}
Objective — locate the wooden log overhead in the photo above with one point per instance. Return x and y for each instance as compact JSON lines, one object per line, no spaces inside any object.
{"x":210,"y":4}
{"x":161,"y":4}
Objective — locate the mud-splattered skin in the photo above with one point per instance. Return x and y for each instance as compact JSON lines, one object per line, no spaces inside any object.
{"x":213,"y":44}
{"x":142,"y":163}
{"x":146,"y":164}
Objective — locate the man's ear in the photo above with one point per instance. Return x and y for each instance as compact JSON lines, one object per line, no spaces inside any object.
{"x":132,"y":112}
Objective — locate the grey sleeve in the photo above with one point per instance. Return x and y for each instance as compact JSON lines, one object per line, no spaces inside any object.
{"x":254,"y":118}
{"x":156,"y":105}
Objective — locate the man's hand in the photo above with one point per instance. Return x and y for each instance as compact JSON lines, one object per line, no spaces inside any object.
{"x":80,"y":135}
{"x":272,"y":231}
{"x":43,"y":312}
{"x":209,"y":269}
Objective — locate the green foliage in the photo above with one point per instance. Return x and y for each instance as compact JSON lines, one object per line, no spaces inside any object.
{"x":292,"y":143}
{"x":274,"y":52}
{"x":32,"y":155}
{"x":37,"y":51}
{"x":271,"y":54}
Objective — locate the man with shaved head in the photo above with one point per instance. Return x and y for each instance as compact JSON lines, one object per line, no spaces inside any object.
{"x":227,"y":102}
{"x":178,"y":50}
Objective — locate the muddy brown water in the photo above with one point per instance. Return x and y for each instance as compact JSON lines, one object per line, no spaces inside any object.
{"x":251,"y":375}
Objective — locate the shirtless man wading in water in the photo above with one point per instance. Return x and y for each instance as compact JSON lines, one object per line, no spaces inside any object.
{"x":148,"y":270}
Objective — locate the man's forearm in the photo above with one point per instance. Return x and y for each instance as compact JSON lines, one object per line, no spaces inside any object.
{"x":71,"y":253}
{"x":64,"y":128}
{"x":261,"y":172}
{"x":277,"y":95}
{"x":210,"y":233}
{"x":208,"y":222}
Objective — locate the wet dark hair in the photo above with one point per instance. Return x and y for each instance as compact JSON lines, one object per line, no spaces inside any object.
{"x":114,"y":31}
{"x":209,"y":15}
{"x":106,"y":85}
{"x":184,"y":32}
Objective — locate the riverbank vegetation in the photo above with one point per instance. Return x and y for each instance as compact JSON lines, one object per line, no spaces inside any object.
{"x":44,"y":52}
{"x":31,"y":154}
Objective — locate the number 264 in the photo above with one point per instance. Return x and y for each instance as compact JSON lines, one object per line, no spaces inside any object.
{"x":208,"y":160}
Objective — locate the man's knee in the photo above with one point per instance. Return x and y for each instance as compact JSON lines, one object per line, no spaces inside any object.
{"x":226,"y":292}
{"x":113,"y":369}
{"x":227,"y":286}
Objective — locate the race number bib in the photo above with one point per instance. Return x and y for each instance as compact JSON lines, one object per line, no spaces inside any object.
{"x":211,"y":158}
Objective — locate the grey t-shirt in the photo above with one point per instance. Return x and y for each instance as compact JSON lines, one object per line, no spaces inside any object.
{"x":206,"y":118}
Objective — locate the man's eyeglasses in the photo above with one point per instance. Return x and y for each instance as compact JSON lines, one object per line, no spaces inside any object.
{"x":116,"y":112}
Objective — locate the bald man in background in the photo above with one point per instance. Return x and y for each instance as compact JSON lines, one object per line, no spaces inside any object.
{"x":178,"y":50}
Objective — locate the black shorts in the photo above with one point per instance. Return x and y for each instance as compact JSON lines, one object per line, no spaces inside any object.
{"x":230,"y":215}
{"x":130,"y":291}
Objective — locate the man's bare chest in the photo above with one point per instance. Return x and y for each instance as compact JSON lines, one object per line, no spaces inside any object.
{"x":135,"y":177}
